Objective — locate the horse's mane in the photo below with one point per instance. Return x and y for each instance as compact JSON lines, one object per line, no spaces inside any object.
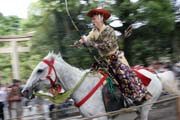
{"x":54,"y":55}
{"x":58,"y":56}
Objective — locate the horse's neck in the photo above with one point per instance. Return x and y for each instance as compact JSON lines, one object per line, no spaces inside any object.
{"x":68,"y":74}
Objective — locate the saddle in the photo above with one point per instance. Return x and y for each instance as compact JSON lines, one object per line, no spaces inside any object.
{"x":115,"y":100}
{"x":112,"y":101}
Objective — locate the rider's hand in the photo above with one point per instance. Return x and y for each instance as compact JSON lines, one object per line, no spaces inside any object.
{"x":83,"y":39}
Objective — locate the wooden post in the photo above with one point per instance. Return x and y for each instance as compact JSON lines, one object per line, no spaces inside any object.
{"x":178,"y":107}
{"x":15,"y":60}
{"x":14,"y":50}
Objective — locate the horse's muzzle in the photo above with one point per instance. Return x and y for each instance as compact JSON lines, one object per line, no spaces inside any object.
{"x":27,"y":94}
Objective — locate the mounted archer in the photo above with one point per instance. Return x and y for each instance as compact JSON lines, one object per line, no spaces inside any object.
{"x":102,"y":37}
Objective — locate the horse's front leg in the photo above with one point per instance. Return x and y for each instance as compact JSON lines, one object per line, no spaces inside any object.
{"x":145,"y":112}
{"x":94,"y":109}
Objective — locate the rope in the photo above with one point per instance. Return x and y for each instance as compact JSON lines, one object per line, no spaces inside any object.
{"x":130,"y":109}
{"x":123,"y":110}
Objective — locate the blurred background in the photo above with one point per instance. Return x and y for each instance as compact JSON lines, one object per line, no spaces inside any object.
{"x":154,"y":37}
{"x":153,"y":42}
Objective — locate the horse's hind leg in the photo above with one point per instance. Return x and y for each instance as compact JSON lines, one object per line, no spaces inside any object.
{"x":144,"y":111}
{"x":138,"y":112}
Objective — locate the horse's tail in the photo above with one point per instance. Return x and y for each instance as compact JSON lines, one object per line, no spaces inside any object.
{"x":169,"y":82}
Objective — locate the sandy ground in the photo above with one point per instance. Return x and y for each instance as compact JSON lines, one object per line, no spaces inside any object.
{"x":161,"y":111}
{"x":164,"y":111}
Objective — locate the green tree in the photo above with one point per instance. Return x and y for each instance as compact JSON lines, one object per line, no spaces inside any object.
{"x":10,"y":25}
{"x":152,"y":39}
{"x":55,"y":31}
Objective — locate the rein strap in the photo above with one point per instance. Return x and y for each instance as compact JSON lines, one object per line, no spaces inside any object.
{"x":51,"y":67}
{"x":92,"y":91}
{"x":61,"y":98}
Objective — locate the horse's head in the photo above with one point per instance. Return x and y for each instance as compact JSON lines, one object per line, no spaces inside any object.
{"x":43,"y":77}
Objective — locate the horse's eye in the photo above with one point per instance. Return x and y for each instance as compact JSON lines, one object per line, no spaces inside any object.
{"x":40,"y":71}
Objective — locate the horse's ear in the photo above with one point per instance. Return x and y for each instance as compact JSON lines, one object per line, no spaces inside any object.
{"x":49,"y":54}
{"x":59,"y":54}
{"x":52,"y":52}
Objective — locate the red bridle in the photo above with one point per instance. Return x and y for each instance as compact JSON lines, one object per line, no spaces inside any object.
{"x":48,"y":76}
{"x":53,"y":82}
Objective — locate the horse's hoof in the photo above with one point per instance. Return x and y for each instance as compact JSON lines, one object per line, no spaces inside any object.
{"x":137,"y":118}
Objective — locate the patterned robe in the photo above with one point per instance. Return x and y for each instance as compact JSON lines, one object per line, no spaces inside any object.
{"x":107,"y":46}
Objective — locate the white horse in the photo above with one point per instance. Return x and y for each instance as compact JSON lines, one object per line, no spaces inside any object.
{"x":54,"y":68}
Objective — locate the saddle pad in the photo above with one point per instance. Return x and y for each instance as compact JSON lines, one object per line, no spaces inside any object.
{"x":145,"y":80}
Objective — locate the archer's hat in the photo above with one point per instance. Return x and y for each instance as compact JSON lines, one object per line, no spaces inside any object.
{"x":106,"y":14}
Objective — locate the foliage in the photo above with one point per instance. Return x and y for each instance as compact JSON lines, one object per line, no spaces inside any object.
{"x":9,"y":25}
{"x":55,"y":31}
{"x":154,"y":38}
{"x":157,"y":36}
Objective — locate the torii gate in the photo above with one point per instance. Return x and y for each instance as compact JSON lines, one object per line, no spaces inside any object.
{"x":14,"y":49}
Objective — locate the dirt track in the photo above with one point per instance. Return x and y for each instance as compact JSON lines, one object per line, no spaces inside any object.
{"x":161,"y":111}
{"x":164,"y":111}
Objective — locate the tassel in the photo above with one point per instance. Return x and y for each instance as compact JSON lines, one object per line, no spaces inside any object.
{"x":110,"y":84}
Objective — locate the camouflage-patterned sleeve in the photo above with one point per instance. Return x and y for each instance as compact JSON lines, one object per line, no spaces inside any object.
{"x":90,"y":38}
{"x":108,"y":38}
{"x":107,"y":41}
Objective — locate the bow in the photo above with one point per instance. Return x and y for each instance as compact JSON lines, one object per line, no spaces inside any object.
{"x":69,"y":15}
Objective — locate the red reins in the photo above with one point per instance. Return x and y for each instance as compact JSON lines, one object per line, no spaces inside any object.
{"x":51,"y":67}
